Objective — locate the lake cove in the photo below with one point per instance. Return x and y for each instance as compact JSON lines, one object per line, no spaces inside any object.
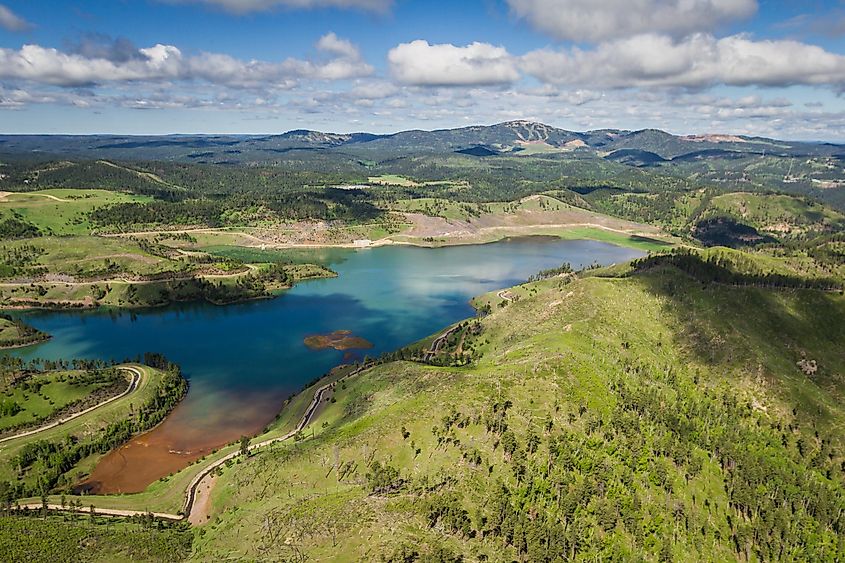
{"x":244,"y":360}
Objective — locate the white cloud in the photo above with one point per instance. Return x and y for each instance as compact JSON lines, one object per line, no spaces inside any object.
{"x":697,"y":61}
{"x":595,"y":20}
{"x":11,"y":21}
{"x":422,"y":64}
{"x":17,"y":98}
{"x":372,"y":90}
{"x":248,"y":6}
{"x":51,"y":66}
{"x":331,"y":43}
{"x":166,"y":62}
{"x":346,"y":61}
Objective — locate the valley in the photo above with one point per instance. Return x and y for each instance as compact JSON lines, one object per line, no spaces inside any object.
{"x":489,"y":343}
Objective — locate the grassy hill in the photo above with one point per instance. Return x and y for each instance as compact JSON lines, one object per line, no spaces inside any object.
{"x":781,"y":217}
{"x":779,"y":214}
{"x":626,"y":414}
{"x":61,"y":211}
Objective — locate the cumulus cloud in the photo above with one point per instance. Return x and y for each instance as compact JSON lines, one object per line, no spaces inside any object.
{"x":592,"y":20}
{"x":51,"y":66}
{"x":420,"y":63}
{"x":166,"y":62}
{"x":248,"y":6}
{"x":697,"y":61}
{"x":331,"y":43}
{"x":11,"y":21}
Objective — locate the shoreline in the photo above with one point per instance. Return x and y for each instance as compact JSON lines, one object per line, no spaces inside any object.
{"x":133,"y":384}
{"x":271,"y":294}
{"x":274,"y":432}
{"x":46,"y":338}
{"x":500,"y":234}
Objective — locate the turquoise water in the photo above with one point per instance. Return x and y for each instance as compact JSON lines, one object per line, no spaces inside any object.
{"x":244,"y":360}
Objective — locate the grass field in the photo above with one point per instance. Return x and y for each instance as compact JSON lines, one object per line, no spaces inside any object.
{"x":779,"y":214}
{"x":60,"y":539}
{"x":42,"y":395}
{"x":396,"y":180}
{"x":393,"y":180}
{"x":61,"y":211}
{"x":89,"y":256}
{"x":10,"y":333}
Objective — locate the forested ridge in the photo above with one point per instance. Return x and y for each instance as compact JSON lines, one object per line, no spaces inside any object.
{"x":715,"y":268}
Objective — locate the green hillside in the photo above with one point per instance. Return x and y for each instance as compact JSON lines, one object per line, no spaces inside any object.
{"x":643,"y":416}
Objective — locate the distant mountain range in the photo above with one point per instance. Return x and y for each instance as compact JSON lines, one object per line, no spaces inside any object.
{"x":637,"y":148}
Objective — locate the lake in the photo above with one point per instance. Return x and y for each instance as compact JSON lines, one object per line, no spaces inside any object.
{"x":244,"y":360}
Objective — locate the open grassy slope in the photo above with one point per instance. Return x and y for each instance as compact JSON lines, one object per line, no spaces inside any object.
{"x":782,"y":216}
{"x":42,"y":396}
{"x":60,"y":211}
{"x":779,"y":213}
{"x":648,"y":416}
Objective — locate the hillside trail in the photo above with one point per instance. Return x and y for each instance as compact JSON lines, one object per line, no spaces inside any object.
{"x":5,"y":195}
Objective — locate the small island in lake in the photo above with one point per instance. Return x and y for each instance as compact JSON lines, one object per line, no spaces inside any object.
{"x":339,"y":340}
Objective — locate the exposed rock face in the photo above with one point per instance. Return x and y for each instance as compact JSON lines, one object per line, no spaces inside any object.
{"x":809,"y":367}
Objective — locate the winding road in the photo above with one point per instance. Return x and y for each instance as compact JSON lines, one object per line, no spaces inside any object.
{"x":136,"y":373}
{"x":506,"y":295}
{"x":4,"y":196}
{"x":193,"y":486}
{"x":438,"y":343}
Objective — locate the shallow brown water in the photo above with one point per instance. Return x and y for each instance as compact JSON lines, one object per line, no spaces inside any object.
{"x":173,"y":445}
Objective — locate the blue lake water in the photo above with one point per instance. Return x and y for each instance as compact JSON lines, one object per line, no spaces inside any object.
{"x":243,"y":360}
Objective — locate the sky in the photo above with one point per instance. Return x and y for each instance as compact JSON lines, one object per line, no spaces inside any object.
{"x":759,"y":67}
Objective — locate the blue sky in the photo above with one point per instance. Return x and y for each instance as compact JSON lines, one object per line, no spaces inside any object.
{"x":772,"y":68}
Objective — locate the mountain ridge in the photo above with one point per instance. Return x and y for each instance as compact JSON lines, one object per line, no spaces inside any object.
{"x":515,"y":137}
